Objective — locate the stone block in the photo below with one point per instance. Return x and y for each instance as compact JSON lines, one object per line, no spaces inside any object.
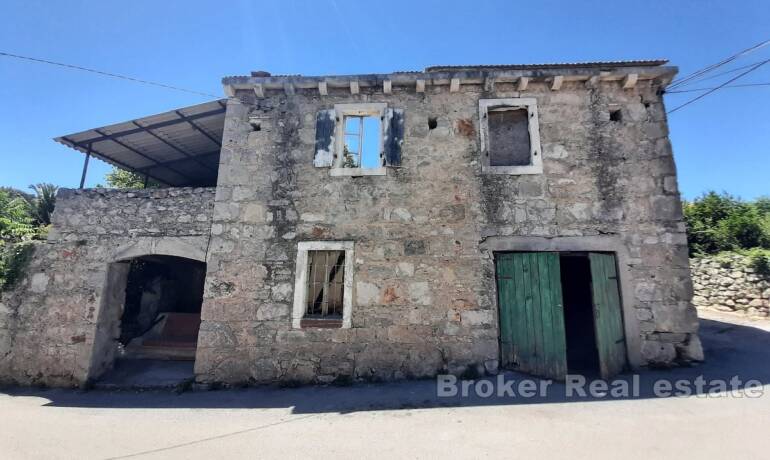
{"x":658,"y":353}
{"x":367,"y":293}
{"x":414,"y":247}
{"x":477,"y":317}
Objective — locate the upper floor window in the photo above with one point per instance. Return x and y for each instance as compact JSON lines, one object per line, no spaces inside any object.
{"x":510,"y":136}
{"x":359,"y":139}
{"x":363,"y":136}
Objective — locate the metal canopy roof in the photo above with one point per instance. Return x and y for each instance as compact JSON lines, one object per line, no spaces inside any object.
{"x":176,"y":148}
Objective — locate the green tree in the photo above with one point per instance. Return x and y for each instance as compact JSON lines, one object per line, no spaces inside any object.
{"x":763,"y":205}
{"x":16,"y":221}
{"x":722,"y":222}
{"x":120,"y":178}
{"x":43,"y":203}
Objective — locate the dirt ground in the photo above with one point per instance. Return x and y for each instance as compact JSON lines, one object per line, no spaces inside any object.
{"x":409,"y":420}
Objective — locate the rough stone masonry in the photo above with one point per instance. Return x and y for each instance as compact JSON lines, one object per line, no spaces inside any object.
{"x":423,"y":230}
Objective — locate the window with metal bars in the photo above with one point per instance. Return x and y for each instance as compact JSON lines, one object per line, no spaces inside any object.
{"x":325,"y":284}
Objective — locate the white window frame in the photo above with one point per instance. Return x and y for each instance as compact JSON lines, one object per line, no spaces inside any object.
{"x":535,"y":152}
{"x":371,"y":109}
{"x":300,"y":279}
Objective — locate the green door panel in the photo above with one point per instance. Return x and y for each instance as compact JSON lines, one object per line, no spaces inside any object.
{"x":532,"y":337}
{"x":608,"y":322}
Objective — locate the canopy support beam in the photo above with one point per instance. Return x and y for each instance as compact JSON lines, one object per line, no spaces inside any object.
{"x":85,"y":167}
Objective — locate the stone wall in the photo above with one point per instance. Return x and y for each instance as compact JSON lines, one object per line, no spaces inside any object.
{"x":424,"y":289}
{"x":48,"y":323}
{"x":728,"y":283}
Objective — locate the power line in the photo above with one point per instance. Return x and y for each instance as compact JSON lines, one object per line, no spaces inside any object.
{"x":711,"y":67}
{"x":107,"y":74}
{"x":726,"y":72}
{"x":701,"y":96}
{"x":706,"y":89}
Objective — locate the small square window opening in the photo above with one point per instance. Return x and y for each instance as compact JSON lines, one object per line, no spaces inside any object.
{"x":362,"y":142}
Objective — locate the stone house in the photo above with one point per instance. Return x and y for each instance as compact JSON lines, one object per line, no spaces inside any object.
{"x":373,"y":227}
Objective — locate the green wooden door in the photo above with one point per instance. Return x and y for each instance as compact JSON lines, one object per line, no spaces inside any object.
{"x":532,"y":337}
{"x":608,"y":323}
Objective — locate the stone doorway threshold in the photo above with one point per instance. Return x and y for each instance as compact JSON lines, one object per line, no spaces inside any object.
{"x":141,"y":374}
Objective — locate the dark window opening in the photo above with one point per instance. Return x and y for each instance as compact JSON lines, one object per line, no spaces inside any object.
{"x":509,"y":142}
{"x":582,"y":351}
{"x":325,"y":285}
{"x":362,"y":142}
{"x":162,"y":308}
{"x":616,"y":115}
{"x":432,"y":122}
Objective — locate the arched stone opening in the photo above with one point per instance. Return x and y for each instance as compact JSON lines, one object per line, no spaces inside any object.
{"x":149,"y":314}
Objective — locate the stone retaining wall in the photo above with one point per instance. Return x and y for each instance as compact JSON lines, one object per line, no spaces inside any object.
{"x":727,"y":283}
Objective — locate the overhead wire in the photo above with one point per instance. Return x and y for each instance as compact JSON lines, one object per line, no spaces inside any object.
{"x":726,"y":72}
{"x":107,"y":74}
{"x":695,"y":90}
{"x":716,"y":88}
{"x":711,"y":67}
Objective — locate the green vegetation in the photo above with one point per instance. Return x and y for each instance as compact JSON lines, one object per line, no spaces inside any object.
{"x":16,"y":222}
{"x":23,"y":218}
{"x":14,"y":258}
{"x":722,"y":224}
{"x":119,"y":178}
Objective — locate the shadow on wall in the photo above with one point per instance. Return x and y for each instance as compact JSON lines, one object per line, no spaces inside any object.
{"x":731,"y":350}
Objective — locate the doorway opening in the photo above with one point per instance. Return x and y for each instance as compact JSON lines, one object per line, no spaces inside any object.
{"x":162,"y":309}
{"x":147,"y":331}
{"x":582,"y":353}
{"x":560,"y":312}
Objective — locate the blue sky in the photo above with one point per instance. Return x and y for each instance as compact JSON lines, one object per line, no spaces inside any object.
{"x":721,"y":142}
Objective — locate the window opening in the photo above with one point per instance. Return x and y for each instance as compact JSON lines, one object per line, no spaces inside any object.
{"x":362,"y":142}
{"x":325,"y":289}
{"x":509,"y":143}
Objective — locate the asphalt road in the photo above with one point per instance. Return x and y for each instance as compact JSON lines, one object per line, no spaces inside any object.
{"x":408,"y":420}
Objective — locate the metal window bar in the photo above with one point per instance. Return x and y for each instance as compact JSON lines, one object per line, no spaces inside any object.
{"x":360,"y":134}
{"x":326,"y":276}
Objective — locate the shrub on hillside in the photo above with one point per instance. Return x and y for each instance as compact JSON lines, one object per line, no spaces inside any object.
{"x":720,"y":222}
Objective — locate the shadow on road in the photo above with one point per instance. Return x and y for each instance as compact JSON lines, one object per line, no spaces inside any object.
{"x":731,"y":350}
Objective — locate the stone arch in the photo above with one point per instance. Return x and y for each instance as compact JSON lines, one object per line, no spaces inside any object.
{"x":104,"y":348}
{"x":188,"y":247}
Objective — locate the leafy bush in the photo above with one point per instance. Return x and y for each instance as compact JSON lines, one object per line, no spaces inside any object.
{"x":16,"y":222}
{"x":759,"y":260}
{"x":14,"y":258}
{"x":721,"y":222}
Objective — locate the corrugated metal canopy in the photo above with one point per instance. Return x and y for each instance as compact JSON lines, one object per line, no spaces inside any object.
{"x":177,"y":148}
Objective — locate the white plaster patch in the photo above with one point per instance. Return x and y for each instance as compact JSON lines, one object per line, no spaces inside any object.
{"x":39,"y":282}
